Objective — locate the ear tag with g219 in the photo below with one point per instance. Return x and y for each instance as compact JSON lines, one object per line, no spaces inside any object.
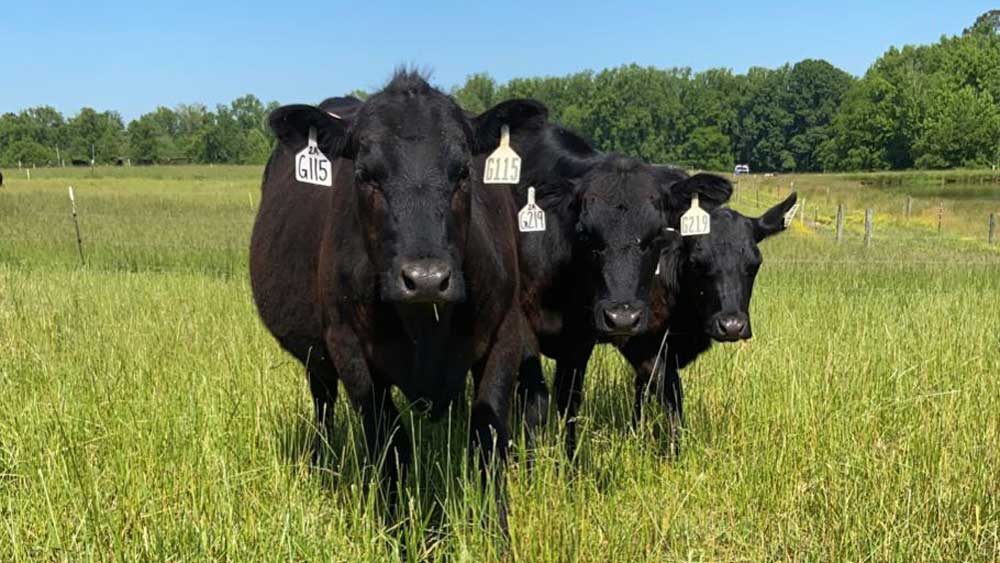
{"x":503,"y":166}
{"x":531,"y":218}
{"x":695,"y":221}
{"x":311,"y":165}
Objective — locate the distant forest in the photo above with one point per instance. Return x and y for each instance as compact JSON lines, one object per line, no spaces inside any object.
{"x":932,"y":106}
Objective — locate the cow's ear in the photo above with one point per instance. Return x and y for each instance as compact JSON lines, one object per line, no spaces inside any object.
{"x":291,"y":126}
{"x":678,"y":191}
{"x":773,"y":220}
{"x":518,"y":115}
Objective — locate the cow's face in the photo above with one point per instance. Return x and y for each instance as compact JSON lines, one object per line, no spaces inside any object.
{"x":625,"y":208}
{"x":412,"y":170}
{"x":718,"y":270}
{"x":411,"y":148}
{"x":619,"y":234}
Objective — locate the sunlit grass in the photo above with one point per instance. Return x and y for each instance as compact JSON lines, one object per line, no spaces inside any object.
{"x":146,"y":414}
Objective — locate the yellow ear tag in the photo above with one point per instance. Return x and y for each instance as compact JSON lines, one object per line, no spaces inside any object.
{"x":695,"y":221}
{"x":790,"y":214}
{"x":503,"y":166}
{"x":311,"y":165}
{"x":531,"y":218}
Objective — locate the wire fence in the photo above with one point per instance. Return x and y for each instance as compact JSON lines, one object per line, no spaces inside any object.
{"x":108,"y":232}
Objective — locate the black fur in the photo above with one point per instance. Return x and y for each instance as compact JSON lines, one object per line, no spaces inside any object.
{"x":705,"y":285}
{"x":340,"y":275}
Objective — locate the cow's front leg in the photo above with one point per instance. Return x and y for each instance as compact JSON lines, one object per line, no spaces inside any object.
{"x":670,"y":393}
{"x":322,"y":377}
{"x":533,"y":396}
{"x":642,"y":353}
{"x":571,"y":367}
{"x":386,"y":441}
{"x":491,"y":407}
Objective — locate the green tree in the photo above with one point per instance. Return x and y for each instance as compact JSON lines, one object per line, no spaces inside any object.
{"x":103,"y":132}
{"x":962,"y":128}
{"x":27,"y":152}
{"x":477,"y":94}
{"x":707,"y":148}
{"x":815,"y":89}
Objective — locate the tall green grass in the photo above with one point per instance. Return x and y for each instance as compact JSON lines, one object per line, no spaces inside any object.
{"x":146,"y":414}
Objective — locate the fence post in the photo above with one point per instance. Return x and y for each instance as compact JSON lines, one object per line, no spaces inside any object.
{"x":840,"y":221}
{"x":993,"y":228}
{"x":940,"y":215}
{"x":802,"y":216}
{"x":76,"y":223}
{"x":756,"y":189}
{"x":909,"y":206}
{"x":869,"y":219}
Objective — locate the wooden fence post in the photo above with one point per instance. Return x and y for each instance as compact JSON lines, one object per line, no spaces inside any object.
{"x":76,"y":223}
{"x":869,"y":219}
{"x":909,"y":206}
{"x":840,"y":221}
{"x":802,"y":216}
{"x":940,"y":214}
{"x":993,"y":228}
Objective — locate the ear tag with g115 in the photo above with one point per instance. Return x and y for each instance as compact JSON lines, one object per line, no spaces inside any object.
{"x":695,"y":221}
{"x":790,"y":214}
{"x":503,"y":166}
{"x":311,"y":165}
{"x":531,"y":218}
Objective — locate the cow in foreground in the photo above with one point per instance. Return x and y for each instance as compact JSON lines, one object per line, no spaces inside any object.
{"x":404,"y":273}
{"x":702,"y":295}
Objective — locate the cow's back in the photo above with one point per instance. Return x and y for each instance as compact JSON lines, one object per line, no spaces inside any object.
{"x":284,"y":255}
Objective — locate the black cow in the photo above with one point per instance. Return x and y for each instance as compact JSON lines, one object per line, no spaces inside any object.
{"x":589,"y":277}
{"x":405,"y":272}
{"x":703,"y":294}
{"x":1,"y":178}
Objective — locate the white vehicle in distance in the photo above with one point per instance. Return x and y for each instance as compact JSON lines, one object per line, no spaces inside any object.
{"x":741,"y":169}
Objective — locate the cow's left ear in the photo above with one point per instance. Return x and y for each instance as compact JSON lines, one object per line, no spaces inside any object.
{"x":518,"y":115}
{"x":773,"y":220}
{"x":678,"y":190}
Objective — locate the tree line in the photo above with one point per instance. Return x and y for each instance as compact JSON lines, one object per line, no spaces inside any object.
{"x":930,"y":106}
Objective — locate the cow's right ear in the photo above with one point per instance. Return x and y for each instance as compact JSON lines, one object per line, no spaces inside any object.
{"x":291,"y":125}
{"x":518,"y":115}
{"x":678,"y":192}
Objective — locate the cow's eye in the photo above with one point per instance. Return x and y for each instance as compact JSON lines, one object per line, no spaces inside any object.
{"x":463,"y":174}
{"x":362,"y":176}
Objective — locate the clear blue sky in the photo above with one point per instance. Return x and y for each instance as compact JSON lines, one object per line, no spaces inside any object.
{"x":133,"y":56}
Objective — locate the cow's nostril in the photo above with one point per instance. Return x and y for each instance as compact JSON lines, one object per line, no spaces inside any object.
{"x":635,"y":319}
{"x":609,"y":319}
{"x":445,"y":283}
{"x":408,"y":282}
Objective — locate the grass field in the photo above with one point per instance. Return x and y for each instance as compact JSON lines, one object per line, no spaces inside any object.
{"x":145,"y":413}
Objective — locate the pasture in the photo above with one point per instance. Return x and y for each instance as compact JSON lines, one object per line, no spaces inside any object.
{"x":145,"y":413}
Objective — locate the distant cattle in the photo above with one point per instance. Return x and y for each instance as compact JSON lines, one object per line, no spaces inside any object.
{"x":1,"y":178}
{"x":703,"y":294}
{"x":404,"y":272}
